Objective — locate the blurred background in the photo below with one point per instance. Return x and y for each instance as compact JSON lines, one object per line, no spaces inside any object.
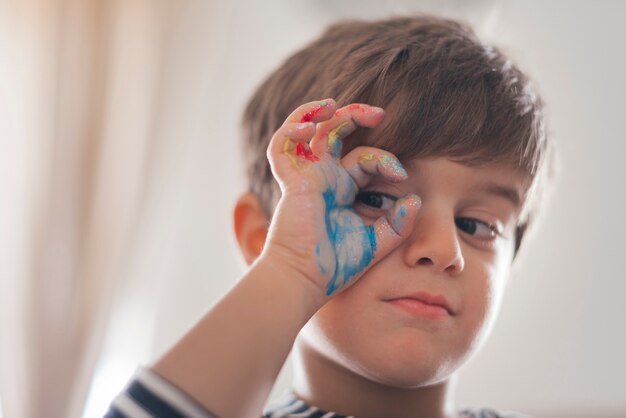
{"x":119,"y":169}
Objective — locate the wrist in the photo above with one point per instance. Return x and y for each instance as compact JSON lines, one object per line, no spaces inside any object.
{"x":282,"y":274}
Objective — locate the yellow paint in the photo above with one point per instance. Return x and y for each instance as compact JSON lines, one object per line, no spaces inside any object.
{"x":305,"y":253}
{"x":288,"y":150}
{"x":333,"y":136}
{"x":366,"y":157}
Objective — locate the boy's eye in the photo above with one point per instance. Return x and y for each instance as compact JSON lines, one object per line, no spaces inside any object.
{"x":474,"y":227}
{"x":376,"y":200}
{"x":479,"y":229}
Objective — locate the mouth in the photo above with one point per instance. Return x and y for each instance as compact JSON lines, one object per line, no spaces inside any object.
{"x":424,"y":304}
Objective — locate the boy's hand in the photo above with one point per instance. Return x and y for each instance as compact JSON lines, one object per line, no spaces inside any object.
{"x":315,"y":230}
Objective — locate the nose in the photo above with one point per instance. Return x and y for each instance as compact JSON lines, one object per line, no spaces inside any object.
{"x":434,"y":243}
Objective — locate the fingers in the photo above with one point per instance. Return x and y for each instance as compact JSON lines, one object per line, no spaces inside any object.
{"x":329,"y":136}
{"x":316,"y":111}
{"x":289,"y":144}
{"x":300,"y":141}
{"x":373,"y":242}
{"x":396,"y":225}
{"x":363,"y":163}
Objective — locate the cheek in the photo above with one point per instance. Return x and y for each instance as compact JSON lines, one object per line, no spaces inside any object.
{"x":336,"y":333}
{"x":329,"y":324}
{"x":483,"y":298}
{"x":346,"y":325}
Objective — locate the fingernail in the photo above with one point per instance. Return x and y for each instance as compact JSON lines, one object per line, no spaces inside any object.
{"x":413,"y":200}
{"x":393,"y":166}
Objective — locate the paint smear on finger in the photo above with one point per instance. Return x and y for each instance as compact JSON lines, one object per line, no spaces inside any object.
{"x":334,"y":139}
{"x":307,"y":117}
{"x":304,"y":151}
{"x":298,"y":151}
{"x":354,"y":243}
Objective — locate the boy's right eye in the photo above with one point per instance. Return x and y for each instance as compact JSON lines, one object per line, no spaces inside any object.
{"x":375,"y":200}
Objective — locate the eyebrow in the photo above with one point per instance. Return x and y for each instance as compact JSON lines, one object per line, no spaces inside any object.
{"x":499,"y":190}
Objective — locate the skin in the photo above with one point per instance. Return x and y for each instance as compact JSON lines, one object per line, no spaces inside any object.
{"x":320,"y":274}
{"x":316,"y":248}
{"x":315,"y":229}
{"x":381,"y":361}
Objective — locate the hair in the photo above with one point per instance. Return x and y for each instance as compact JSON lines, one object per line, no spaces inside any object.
{"x":453,"y":95}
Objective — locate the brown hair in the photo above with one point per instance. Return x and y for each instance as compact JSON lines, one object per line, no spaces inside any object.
{"x":454,"y":96}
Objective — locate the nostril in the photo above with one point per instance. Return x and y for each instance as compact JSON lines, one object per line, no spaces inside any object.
{"x":425,"y":261}
{"x":452,"y":268}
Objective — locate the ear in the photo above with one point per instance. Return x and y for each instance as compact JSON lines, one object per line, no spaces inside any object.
{"x":251,"y":226}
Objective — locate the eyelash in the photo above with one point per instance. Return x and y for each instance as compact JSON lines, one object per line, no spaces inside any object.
{"x":493,"y":228}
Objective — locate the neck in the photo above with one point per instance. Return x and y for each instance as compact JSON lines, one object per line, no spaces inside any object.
{"x":321,"y":382}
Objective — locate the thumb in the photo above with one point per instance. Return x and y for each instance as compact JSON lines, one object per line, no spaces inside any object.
{"x":396,"y":225}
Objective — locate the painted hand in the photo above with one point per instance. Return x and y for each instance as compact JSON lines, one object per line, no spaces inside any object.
{"x":315,"y":228}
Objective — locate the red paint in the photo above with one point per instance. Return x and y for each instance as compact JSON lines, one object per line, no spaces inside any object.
{"x":311,"y":114}
{"x":353,"y":107}
{"x":303,"y":150}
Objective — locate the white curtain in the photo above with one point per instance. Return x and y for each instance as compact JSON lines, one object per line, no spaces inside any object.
{"x":78,"y":85}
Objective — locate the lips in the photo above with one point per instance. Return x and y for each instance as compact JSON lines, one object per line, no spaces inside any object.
{"x":429,"y":299}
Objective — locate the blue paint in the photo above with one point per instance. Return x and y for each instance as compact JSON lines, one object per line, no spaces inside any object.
{"x":371,"y":234}
{"x":317,"y":253}
{"x":350,"y":192}
{"x":335,"y":151}
{"x":398,"y":220}
{"x":353,"y":242}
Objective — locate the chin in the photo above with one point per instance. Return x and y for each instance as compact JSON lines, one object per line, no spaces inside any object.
{"x":407,"y":376}
{"x":408,"y":366}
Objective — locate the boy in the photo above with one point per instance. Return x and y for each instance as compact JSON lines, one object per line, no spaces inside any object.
{"x":403,"y":202}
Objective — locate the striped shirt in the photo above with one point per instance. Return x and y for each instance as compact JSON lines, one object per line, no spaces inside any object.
{"x":149,"y":395}
{"x":290,"y":406}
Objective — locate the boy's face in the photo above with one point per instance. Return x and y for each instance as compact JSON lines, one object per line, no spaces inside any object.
{"x":449,"y":253}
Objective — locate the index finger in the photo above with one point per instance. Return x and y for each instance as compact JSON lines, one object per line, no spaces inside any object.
{"x":329,"y":136}
{"x":316,"y":111}
{"x":290,"y":141}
